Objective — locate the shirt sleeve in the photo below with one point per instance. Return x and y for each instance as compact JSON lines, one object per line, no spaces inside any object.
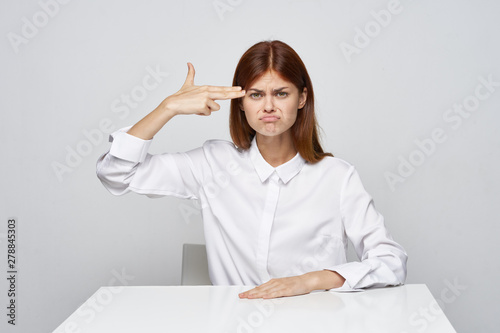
{"x":128,"y":166}
{"x":383,"y":261}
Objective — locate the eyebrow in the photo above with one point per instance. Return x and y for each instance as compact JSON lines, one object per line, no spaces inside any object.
{"x":261,"y":91}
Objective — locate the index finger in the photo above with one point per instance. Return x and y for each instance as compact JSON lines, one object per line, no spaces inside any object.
{"x":227,"y":93}
{"x":223,"y":88}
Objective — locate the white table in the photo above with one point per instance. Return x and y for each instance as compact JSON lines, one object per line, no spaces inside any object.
{"x":185,"y":309}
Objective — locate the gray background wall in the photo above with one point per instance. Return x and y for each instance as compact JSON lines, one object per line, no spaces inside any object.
{"x":385,"y":86}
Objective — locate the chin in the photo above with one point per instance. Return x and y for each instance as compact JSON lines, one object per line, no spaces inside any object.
{"x":271,"y":133}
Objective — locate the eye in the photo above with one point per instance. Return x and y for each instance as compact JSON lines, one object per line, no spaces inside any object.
{"x":255,"y":95}
{"x":282,"y":94}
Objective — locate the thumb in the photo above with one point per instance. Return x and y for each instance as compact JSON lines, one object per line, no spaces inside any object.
{"x":190,"y":76}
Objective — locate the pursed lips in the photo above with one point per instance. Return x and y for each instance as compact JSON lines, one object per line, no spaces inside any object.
{"x":270,"y":118}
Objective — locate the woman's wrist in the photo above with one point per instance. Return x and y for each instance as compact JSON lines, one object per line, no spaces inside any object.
{"x":167,"y":109}
{"x":323,"y":280}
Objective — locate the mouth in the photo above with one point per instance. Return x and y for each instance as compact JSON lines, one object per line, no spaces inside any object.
{"x":269,"y":119}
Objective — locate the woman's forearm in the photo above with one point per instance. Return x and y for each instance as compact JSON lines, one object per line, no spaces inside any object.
{"x":148,"y":126}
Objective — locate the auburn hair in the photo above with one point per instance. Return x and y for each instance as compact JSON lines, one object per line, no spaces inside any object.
{"x":281,"y":58}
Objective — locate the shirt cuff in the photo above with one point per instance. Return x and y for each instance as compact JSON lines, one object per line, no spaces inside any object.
{"x":345,"y":288}
{"x":353,"y":273}
{"x":128,"y":147}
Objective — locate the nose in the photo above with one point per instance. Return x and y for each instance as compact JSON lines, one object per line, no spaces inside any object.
{"x":269,"y":105}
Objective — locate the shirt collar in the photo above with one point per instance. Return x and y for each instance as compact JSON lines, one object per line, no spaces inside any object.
{"x":285,"y":172}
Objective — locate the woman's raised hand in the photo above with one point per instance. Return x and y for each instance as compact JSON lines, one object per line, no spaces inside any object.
{"x":192,"y":99}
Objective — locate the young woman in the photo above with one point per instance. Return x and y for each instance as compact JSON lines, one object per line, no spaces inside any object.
{"x":277,"y":210}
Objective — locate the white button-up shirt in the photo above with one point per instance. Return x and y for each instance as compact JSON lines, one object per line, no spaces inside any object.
{"x":262,"y":222}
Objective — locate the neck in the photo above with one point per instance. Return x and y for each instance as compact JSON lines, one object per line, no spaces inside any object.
{"x":276,"y":150}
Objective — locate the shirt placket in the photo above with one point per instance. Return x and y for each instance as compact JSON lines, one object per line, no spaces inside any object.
{"x":271,"y":202}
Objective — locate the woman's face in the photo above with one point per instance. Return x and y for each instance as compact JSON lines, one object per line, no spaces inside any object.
{"x":271,"y":104}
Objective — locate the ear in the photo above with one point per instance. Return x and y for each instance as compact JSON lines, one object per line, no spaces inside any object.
{"x":302,"y":98}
